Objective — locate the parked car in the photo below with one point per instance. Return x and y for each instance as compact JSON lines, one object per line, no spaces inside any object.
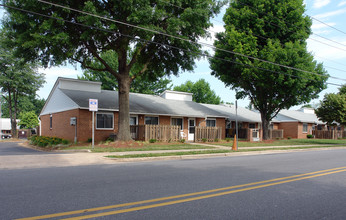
{"x":5,"y":136}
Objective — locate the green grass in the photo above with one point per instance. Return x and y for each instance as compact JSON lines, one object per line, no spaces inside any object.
{"x":286,"y":142}
{"x":210,"y":152}
{"x":170,"y":154}
{"x":146,"y":147}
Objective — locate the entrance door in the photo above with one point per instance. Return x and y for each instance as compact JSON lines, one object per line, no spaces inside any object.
{"x":192,"y":124}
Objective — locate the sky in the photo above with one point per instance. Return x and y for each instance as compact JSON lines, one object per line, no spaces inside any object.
{"x":331,"y":52}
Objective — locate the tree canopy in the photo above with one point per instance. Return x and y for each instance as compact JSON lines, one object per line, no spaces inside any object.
{"x":19,"y":80}
{"x":201,"y":91}
{"x":141,"y":84}
{"x":140,"y":32}
{"x":28,"y":120}
{"x":332,"y":109}
{"x":263,"y":56}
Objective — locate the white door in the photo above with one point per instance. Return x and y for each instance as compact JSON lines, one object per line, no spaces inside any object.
{"x":192,"y":124}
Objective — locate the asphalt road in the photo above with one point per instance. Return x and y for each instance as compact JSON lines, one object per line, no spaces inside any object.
{"x":319,"y":195}
{"x":12,"y":148}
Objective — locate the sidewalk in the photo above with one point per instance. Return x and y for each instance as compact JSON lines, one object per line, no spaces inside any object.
{"x":66,"y":158}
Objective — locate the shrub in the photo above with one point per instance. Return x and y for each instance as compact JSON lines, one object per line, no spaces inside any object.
{"x":309,"y":136}
{"x":228,"y":139}
{"x":182,"y":140}
{"x":43,"y":141}
{"x":277,"y":138}
{"x":216,"y":140}
{"x":89,"y":140}
{"x":152,"y":140}
{"x":204,"y":140}
{"x":289,"y":138}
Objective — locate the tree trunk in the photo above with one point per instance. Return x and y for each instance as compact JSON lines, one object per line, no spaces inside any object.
{"x":124,"y":109}
{"x":265,"y":127}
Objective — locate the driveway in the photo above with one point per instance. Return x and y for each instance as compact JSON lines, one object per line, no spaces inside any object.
{"x":8,"y":148}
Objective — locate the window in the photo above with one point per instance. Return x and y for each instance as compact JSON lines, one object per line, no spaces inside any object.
{"x":252,"y":125}
{"x":51,"y":121}
{"x":104,"y":121}
{"x":149,"y":120}
{"x":271,"y":126}
{"x":305,"y":128}
{"x":229,"y":125}
{"x":133,"y":120}
{"x":178,"y":121}
{"x":211,"y":123}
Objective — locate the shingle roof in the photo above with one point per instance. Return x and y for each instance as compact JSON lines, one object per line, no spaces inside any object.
{"x":292,"y":115}
{"x":243,"y":114}
{"x":143,"y":104}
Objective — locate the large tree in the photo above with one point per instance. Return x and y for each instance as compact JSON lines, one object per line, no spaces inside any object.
{"x":141,"y":53}
{"x":263,"y":55}
{"x":332,"y":108}
{"x":26,"y":103}
{"x":201,"y":92}
{"x":141,"y":84}
{"x":18,"y":79}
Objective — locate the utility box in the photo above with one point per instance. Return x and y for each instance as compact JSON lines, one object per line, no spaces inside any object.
{"x":73,"y":121}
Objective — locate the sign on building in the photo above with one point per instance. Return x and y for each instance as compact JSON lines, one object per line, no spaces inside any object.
{"x":93,"y":105}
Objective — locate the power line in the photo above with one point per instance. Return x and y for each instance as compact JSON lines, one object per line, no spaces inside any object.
{"x":260,"y":36}
{"x":289,"y":24}
{"x":148,"y":41}
{"x":326,"y":24}
{"x":181,"y":38}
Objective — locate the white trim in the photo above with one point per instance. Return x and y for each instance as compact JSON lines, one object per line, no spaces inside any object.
{"x":104,"y":113}
{"x":135,"y":116}
{"x":307,"y":128}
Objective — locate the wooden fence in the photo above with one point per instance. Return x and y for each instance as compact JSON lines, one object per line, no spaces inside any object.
{"x":208,"y":133}
{"x":332,"y":134}
{"x":242,"y":133}
{"x":163,"y":133}
{"x":277,"y":133}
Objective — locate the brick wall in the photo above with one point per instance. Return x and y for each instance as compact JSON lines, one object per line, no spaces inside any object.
{"x":61,"y":126}
{"x":290,"y":129}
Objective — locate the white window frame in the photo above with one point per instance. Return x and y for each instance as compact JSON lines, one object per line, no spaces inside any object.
{"x":135,"y":116}
{"x":153,"y":116}
{"x":306,"y":127}
{"x":210,"y":119}
{"x":105,"y":113}
{"x":182,"y":120}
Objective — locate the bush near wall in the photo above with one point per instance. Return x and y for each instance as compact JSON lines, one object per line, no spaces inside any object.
{"x":43,"y":141}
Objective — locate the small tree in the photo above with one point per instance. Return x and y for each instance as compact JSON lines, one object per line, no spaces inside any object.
{"x":333,"y":108}
{"x":270,"y":87}
{"x":201,"y":91}
{"x":28,"y":120}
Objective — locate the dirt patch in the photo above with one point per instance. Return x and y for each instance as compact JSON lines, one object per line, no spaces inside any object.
{"x":121,"y":144}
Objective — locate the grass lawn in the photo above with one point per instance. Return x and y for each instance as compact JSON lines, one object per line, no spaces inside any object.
{"x":145,"y":147}
{"x":285,"y":142}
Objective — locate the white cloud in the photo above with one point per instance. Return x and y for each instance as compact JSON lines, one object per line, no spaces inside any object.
{"x":342,"y":4}
{"x":330,"y":14}
{"x":320,"y":3}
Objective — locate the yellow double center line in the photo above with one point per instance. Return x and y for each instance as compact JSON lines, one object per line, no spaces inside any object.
{"x":193,"y":196}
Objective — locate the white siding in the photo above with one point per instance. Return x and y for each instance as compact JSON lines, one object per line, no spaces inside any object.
{"x":174,"y":95}
{"x":58,"y":102}
{"x":79,"y":85}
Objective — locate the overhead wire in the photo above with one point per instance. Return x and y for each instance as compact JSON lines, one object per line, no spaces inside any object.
{"x":149,"y":41}
{"x":181,"y":38}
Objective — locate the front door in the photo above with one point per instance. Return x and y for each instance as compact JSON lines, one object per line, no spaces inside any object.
{"x":192,"y":124}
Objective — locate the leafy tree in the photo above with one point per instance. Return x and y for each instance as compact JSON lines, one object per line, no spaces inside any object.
{"x":201,"y":91}
{"x":275,"y":31}
{"x":140,"y":53}
{"x":17,"y":79}
{"x":141,"y":84}
{"x":25,"y":104}
{"x":333,"y":108}
{"x":28,"y":120}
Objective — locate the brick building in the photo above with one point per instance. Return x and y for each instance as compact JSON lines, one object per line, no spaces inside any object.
{"x":69,"y":99}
